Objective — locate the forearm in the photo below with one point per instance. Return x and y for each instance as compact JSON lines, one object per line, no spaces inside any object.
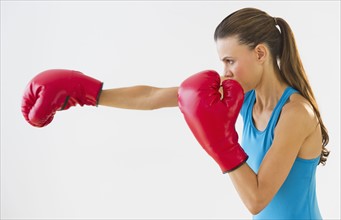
{"x":246,"y":183}
{"x":139,"y":97}
{"x":255,"y":190}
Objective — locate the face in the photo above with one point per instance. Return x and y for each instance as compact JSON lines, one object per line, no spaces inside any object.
{"x":240,"y":62}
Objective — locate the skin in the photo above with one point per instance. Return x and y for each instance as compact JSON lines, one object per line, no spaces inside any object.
{"x":297,"y":133}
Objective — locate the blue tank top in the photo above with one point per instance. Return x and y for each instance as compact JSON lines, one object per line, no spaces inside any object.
{"x":296,"y":199}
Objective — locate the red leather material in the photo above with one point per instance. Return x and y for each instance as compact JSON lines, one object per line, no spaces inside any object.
{"x":57,"y":89}
{"x":212,"y":119}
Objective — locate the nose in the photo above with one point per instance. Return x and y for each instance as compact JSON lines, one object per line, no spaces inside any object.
{"x":227,"y":73}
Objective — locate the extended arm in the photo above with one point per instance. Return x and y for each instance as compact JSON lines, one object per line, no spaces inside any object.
{"x":59,"y":89}
{"x":139,"y":97}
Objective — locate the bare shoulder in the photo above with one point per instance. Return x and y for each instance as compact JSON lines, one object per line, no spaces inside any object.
{"x":297,"y":127}
{"x":300,"y":110}
{"x":305,"y":120}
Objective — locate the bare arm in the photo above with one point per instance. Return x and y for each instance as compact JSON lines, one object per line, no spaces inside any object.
{"x":257,"y":190}
{"x":140,"y":97}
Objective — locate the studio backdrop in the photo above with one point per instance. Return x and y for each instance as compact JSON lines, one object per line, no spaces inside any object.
{"x":101,"y":162}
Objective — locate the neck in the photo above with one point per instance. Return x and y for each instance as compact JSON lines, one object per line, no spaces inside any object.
{"x":269,"y":90}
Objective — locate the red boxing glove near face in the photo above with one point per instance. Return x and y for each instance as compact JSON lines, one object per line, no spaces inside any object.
{"x":57,"y":89}
{"x":212,"y":119}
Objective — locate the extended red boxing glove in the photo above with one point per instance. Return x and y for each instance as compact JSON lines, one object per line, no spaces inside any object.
{"x":212,"y":119}
{"x":57,"y":89}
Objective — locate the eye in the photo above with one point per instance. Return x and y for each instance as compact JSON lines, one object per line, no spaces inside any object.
{"x":228,"y":61}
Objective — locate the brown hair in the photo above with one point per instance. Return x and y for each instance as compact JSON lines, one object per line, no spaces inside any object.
{"x":252,"y":27}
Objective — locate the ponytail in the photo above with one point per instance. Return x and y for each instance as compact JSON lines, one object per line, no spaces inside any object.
{"x":292,"y":71}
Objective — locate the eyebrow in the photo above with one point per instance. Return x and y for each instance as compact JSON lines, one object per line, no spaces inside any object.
{"x":226,"y":58}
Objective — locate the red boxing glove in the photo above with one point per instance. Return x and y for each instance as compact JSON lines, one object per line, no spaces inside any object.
{"x":57,"y":89}
{"x":212,"y":119}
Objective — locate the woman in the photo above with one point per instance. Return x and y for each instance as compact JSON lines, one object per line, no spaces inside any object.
{"x":284,"y":137}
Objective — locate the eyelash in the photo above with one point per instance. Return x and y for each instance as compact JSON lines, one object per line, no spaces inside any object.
{"x":229,"y":61}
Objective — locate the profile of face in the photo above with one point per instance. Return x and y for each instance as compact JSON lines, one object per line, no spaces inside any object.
{"x":240,"y":62}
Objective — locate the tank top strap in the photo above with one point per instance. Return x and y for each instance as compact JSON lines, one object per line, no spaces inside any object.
{"x":278,"y":109}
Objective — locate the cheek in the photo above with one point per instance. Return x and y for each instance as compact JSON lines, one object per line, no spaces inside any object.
{"x":241,"y":69}
{"x":240,"y":73}
{"x":245,"y":76}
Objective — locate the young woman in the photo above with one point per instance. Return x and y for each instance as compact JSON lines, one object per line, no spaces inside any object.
{"x":284,"y":137}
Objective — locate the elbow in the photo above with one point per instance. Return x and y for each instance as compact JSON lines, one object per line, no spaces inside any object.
{"x":256,"y":205}
{"x":254,"y":210}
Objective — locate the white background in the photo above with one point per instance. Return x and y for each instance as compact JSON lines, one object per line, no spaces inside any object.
{"x":113,"y":163}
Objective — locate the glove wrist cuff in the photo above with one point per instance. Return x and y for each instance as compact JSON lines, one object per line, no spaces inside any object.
{"x":232,"y":159}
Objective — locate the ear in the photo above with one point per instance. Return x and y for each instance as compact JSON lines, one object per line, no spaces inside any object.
{"x":261,"y":52}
